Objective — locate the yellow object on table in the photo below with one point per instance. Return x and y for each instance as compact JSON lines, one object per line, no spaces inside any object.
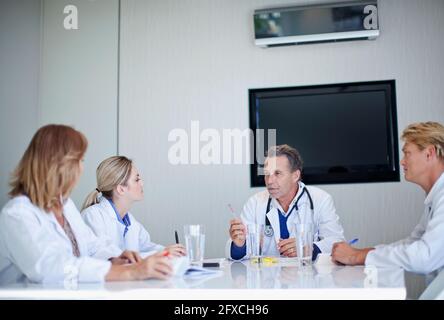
{"x":267,"y":261}
{"x":270,"y":260}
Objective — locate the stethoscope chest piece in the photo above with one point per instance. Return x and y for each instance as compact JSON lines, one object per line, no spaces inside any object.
{"x":268,"y":231}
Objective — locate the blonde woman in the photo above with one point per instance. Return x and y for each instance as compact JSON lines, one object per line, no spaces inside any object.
{"x":42,"y":235}
{"x":106,"y":209}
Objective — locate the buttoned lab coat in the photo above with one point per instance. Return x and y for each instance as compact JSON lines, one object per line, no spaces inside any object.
{"x":34,"y":245}
{"x":323,"y":217}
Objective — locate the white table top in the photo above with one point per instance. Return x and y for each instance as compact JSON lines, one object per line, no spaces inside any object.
{"x":236,"y":281}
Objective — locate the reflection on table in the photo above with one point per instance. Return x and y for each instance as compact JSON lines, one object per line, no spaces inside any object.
{"x":283,"y":279}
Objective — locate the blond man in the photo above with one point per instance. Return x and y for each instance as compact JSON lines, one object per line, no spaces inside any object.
{"x":423,"y":251}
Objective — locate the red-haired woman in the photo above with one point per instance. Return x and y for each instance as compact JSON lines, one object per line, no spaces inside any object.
{"x":42,"y":235}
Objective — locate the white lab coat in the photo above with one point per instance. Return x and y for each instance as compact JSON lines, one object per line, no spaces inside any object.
{"x":423,"y":251}
{"x":102,"y":219}
{"x":33,"y":245}
{"x":324,"y":218}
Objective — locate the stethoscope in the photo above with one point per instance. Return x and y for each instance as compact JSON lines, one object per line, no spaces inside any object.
{"x":268,"y":228}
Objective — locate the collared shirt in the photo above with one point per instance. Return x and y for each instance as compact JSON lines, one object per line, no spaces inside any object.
{"x":105,"y":223}
{"x":283,"y":224}
{"x":125,"y":220}
{"x":433,"y":195}
{"x":275,"y":203}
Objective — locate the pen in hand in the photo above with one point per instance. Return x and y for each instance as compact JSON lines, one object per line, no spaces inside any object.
{"x":350,"y":242}
{"x":232,"y":211}
{"x":177,"y":237}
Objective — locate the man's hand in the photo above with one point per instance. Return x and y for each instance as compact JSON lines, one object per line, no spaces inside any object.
{"x":343,"y":253}
{"x":287,"y":247}
{"x":238,"y":232}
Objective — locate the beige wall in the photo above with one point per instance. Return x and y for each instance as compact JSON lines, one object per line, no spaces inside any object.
{"x":78,"y":84}
{"x":19,"y":82}
{"x":52,"y":75}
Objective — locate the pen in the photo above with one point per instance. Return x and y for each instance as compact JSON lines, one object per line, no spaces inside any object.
{"x":350,"y":242}
{"x":177,"y":237}
{"x":232,"y":211}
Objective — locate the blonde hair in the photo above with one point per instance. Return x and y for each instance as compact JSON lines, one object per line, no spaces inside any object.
{"x":50,"y":166}
{"x":424,"y":134}
{"x":110,"y":173}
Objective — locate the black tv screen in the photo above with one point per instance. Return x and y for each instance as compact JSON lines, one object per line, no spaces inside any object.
{"x":345,"y":133}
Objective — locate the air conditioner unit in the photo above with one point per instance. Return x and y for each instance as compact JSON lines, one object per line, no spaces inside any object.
{"x":357,"y":20}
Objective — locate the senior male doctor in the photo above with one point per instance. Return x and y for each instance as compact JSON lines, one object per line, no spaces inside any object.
{"x":423,"y":251}
{"x":286,"y":201}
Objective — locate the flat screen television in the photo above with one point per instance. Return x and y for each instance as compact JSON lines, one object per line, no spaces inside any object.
{"x":345,"y":133}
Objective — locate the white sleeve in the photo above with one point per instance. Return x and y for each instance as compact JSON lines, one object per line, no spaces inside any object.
{"x":94,"y":220}
{"x":38,"y":254}
{"x":420,"y":254}
{"x":249,"y":212}
{"x":100,"y":245}
{"x":145,"y":244}
{"x":330,"y":230}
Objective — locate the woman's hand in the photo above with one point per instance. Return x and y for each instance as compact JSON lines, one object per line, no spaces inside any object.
{"x":127,"y":256}
{"x":157,"y":266}
{"x":176,"y":250}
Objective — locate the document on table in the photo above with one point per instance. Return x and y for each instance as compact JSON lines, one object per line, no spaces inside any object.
{"x":197,"y":272}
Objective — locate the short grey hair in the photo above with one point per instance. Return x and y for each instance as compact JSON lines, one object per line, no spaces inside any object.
{"x":293,"y":156}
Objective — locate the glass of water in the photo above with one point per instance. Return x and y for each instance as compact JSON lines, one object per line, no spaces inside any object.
{"x":255,"y":241}
{"x":195,"y":242}
{"x":304,"y":242}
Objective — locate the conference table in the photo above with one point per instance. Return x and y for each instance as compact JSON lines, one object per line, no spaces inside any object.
{"x":282,"y":279}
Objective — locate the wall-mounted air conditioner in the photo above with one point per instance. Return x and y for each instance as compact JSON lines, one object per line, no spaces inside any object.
{"x":357,"y":20}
